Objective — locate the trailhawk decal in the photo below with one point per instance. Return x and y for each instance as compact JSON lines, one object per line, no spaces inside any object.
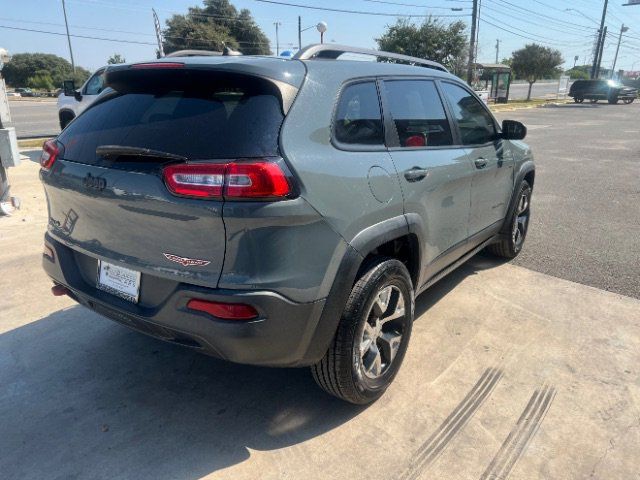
{"x":186,"y":262}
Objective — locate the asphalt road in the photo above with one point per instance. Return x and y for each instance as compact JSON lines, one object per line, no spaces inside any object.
{"x":586,"y":219}
{"x":518,"y":91}
{"x":33,"y":118}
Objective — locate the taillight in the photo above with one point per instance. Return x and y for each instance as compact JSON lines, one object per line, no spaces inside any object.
{"x":226,"y":311}
{"x":195,"y":180}
{"x":49,"y":154}
{"x":255,"y":180}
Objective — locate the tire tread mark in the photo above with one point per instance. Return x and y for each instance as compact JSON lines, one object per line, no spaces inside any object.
{"x":457,"y":419}
{"x":521,"y":434}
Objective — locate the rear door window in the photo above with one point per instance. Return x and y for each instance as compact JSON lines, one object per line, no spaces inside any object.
{"x":418,"y":113}
{"x":223,"y":121}
{"x":358,"y":118}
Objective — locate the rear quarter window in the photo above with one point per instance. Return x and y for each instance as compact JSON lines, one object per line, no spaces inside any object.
{"x":358,"y":118}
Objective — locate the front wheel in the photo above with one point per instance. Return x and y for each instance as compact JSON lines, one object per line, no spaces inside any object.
{"x":627,"y":101}
{"x":593,"y":100}
{"x":578,"y":99}
{"x":372,"y":337}
{"x":511,"y":245}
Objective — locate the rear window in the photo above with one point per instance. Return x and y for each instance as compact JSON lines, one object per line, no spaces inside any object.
{"x":207,"y":122}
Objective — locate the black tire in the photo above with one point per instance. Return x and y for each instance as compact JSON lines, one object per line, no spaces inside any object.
{"x":578,"y":99}
{"x":593,"y":100}
{"x":515,"y":232}
{"x":65,"y":119}
{"x":343,"y":371}
{"x":628,"y":101}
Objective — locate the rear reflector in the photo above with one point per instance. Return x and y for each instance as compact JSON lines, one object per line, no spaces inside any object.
{"x":49,"y":154}
{"x":256,"y":180}
{"x":158,"y":65}
{"x":226,"y":311}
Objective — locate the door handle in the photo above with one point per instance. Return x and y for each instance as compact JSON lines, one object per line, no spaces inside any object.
{"x":416,"y":174}
{"x":480,"y":162}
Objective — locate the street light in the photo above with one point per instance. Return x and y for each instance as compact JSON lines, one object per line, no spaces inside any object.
{"x":578,"y":11}
{"x":615,"y":59}
{"x":322,"y":27}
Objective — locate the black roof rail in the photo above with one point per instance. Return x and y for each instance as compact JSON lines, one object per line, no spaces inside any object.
{"x":328,"y":51}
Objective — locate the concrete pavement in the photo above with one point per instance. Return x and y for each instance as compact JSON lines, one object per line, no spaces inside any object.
{"x":510,"y":373}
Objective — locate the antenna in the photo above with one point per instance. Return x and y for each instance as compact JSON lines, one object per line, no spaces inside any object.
{"x":156,"y":24}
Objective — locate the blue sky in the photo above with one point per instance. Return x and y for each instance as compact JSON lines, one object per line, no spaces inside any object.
{"x":514,"y":22}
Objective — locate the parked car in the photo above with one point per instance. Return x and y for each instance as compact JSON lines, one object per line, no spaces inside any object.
{"x":25,"y":92}
{"x":281,"y":212}
{"x":72,"y":102}
{"x":594,"y":90}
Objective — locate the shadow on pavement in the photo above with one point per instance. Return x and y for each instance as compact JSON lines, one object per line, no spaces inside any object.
{"x":83,"y":397}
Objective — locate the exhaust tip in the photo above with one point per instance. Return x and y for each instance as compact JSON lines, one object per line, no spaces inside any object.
{"x":59,"y":290}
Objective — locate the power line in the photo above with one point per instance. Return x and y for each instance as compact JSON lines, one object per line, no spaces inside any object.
{"x":78,"y":36}
{"x":546,"y":17}
{"x":357,"y":12}
{"x":409,"y":5}
{"x":75,"y":26}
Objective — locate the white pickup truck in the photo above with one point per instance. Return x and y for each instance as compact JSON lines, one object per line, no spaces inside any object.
{"x":72,"y":101}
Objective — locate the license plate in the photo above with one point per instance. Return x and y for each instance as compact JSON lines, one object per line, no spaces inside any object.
{"x":120,"y":281}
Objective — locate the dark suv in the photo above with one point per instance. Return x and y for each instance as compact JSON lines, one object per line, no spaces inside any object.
{"x":281,"y":212}
{"x":594,"y":90}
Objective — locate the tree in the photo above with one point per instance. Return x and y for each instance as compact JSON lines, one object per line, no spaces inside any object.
{"x":115,"y":59}
{"x":535,"y":61}
{"x":579,"y":72}
{"x":24,"y":66}
{"x":433,"y":40}
{"x":212,"y":27}
{"x":41,"y":80}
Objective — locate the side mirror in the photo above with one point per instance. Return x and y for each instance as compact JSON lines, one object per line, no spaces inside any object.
{"x":69,"y":87}
{"x":512,"y":130}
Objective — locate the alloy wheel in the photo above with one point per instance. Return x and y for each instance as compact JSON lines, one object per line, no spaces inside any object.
{"x":383,"y":331}
{"x":521,"y":220}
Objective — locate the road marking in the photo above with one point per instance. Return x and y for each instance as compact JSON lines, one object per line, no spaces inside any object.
{"x":536,"y":127}
{"x":521,"y":434}
{"x":453,"y":424}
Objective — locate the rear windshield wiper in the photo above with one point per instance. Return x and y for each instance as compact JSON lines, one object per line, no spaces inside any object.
{"x":124,"y":151}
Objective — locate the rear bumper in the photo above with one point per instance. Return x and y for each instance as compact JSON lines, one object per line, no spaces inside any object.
{"x":282,"y":335}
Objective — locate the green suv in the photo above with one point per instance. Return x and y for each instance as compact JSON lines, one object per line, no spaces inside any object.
{"x":281,"y":212}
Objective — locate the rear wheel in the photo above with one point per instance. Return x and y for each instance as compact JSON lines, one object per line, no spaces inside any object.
{"x":372,"y":337}
{"x":593,"y":100}
{"x":578,"y":99}
{"x":627,"y":101}
{"x":511,"y":245}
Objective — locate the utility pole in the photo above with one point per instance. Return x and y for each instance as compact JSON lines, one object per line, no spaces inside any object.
{"x":66,"y":24}
{"x":158,"y":29}
{"x":472,"y":43}
{"x":299,"y":32}
{"x":497,"y":49}
{"x":601,"y":51}
{"x":595,"y":69}
{"x":615,"y":59}
{"x":277,"y":24}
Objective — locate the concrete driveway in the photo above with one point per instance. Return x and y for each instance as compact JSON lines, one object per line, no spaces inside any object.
{"x":510,"y":373}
